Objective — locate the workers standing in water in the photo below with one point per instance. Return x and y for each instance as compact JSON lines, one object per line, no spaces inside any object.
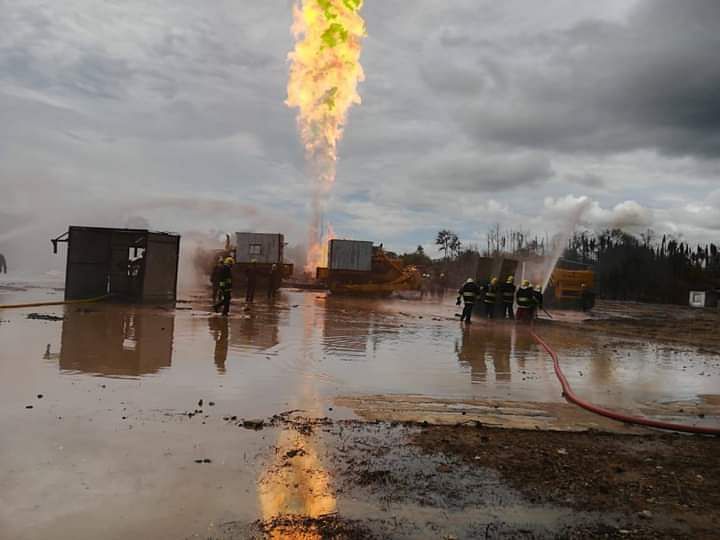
{"x":469,"y":293}
{"x":490,"y":298}
{"x":587,"y":298}
{"x":274,"y":281}
{"x":225,"y":286}
{"x":507,"y":291}
{"x":215,"y":279}
{"x":525,"y":298}
{"x":3,"y":264}
{"x":538,"y":295}
{"x":251,"y":282}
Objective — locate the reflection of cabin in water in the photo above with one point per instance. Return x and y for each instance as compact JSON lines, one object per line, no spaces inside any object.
{"x":116,"y":342}
{"x":129,"y":264}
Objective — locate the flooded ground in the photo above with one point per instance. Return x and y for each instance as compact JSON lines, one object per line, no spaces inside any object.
{"x":162,"y":422}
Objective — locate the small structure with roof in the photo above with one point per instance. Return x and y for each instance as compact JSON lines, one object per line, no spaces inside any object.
{"x":127,"y":264}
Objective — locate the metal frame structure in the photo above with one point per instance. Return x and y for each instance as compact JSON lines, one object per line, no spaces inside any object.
{"x":99,"y":263}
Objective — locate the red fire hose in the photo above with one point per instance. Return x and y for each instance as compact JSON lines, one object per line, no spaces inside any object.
{"x":569,"y":395}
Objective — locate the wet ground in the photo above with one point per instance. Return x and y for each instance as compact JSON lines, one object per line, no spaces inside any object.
{"x":160,"y":422}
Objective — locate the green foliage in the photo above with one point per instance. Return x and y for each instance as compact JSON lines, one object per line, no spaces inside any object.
{"x":448,"y":242}
{"x":645,"y":268}
{"x":417,"y":258}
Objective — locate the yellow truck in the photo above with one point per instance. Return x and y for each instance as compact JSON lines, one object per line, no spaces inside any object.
{"x":571,"y":289}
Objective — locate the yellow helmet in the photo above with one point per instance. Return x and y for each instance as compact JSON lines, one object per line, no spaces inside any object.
{"x":510,"y":279}
{"x":493,"y":281}
{"x":525,"y":283}
{"x":229,"y":261}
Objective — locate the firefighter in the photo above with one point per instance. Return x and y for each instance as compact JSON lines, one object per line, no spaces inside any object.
{"x":507,"y":291}
{"x":251,"y":282}
{"x":587,"y":298}
{"x":525,"y":298}
{"x":225,"y":286}
{"x":469,"y":293}
{"x":274,"y":280}
{"x":215,"y":279}
{"x":538,"y":295}
{"x":490,"y":298}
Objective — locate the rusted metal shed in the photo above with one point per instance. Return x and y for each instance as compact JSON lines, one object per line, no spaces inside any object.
{"x":128,"y":264}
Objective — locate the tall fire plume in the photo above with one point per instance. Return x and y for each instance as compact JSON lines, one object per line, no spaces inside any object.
{"x":324,"y":73}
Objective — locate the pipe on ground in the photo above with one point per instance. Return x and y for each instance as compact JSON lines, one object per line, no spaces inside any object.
{"x":56,"y":303}
{"x":570,"y":396}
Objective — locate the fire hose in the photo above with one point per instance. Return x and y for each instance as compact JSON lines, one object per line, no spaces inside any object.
{"x":570,"y":396}
{"x":57,"y":303}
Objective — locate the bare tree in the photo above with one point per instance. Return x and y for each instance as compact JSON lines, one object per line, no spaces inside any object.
{"x":455,"y":245}
{"x":444,"y":239}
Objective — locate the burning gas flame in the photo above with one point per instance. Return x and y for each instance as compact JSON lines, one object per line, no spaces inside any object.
{"x":318,"y":251}
{"x":324,"y":73}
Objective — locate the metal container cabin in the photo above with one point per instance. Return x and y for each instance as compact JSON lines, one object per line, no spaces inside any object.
{"x":128,"y":264}
{"x":350,"y":255}
{"x":263,"y":248}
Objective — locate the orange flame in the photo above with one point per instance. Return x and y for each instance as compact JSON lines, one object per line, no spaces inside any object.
{"x":324,"y":72}
{"x":329,"y":235}
{"x":318,"y":251}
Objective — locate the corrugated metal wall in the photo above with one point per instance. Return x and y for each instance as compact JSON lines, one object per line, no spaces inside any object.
{"x":264,"y":248}
{"x":350,"y":255}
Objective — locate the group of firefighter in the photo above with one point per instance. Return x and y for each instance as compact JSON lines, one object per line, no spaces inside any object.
{"x":529,"y":300}
{"x":222,"y":282}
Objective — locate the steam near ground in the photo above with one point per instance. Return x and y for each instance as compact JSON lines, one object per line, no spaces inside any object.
{"x":202,"y":224}
{"x":197,"y":254}
{"x":26,"y":243}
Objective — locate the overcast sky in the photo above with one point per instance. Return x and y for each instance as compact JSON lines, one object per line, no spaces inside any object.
{"x":171,"y":113}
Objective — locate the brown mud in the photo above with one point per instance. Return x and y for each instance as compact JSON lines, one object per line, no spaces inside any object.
{"x":662,"y":323}
{"x":405,"y":480}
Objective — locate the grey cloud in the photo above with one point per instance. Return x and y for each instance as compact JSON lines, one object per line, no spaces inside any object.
{"x":604,"y":87}
{"x":96,"y":76}
{"x":588,"y":180}
{"x":447,"y":78}
{"x":471,"y":99}
{"x":476,"y":172}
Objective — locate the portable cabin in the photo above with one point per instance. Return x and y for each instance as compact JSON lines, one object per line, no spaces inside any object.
{"x":128,"y":264}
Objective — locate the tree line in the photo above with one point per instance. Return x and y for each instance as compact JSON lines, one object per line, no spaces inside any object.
{"x":647,"y":267}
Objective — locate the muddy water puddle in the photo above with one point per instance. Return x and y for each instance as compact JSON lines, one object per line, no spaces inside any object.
{"x":257,"y":357}
{"x":103,"y":422}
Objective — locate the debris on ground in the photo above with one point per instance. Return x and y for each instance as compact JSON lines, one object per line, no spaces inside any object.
{"x":256,"y":424}
{"x":44,"y":317}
